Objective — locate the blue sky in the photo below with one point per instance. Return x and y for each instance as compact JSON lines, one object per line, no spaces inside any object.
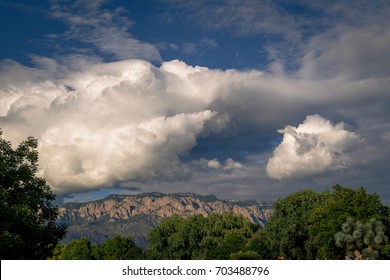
{"x":241,"y":99}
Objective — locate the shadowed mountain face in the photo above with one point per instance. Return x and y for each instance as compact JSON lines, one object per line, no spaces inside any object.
{"x":137,"y":215}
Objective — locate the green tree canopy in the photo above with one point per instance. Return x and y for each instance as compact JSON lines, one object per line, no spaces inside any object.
{"x":304,"y":224}
{"x":28,"y":228}
{"x":81,"y":249}
{"x":120,"y":248}
{"x":335,"y":208}
{"x":287,"y":232}
{"x":217,"y":236}
{"x":116,"y":248}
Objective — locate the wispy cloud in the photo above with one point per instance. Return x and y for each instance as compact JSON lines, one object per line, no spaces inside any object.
{"x":291,"y":30}
{"x":104,"y":28}
{"x":199,"y":48}
{"x":348,"y":51}
{"x":241,"y":17}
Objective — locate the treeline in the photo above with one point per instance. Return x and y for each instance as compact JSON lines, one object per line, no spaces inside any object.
{"x":340,"y":224}
{"x":115,"y":248}
{"x":214,"y":237}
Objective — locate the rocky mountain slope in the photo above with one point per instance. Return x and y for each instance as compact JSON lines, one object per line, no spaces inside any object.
{"x":136,"y":215}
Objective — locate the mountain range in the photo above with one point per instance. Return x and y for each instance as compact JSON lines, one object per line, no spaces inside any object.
{"x":136,"y":215}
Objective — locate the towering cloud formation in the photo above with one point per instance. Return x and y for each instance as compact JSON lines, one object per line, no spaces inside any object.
{"x":312,"y":148}
{"x":115,"y":122}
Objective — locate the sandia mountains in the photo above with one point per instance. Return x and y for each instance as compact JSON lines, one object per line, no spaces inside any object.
{"x":137,"y":214}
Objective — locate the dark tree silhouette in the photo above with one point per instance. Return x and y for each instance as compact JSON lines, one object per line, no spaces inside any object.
{"x":28,"y":228}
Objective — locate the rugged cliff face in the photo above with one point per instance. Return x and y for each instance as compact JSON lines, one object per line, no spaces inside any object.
{"x":136,"y":215}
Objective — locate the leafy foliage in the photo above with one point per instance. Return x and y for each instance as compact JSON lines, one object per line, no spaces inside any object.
{"x":385,"y":252}
{"x":115,"y":248}
{"x":287,"y":232}
{"x":120,"y":248}
{"x":28,"y":228}
{"x":304,"y":224}
{"x":336,"y":207}
{"x":81,"y":249}
{"x":217,"y":236}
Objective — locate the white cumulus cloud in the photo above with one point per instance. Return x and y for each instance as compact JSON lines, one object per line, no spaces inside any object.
{"x":114,"y":122}
{"x":75,"y":155}
{"x":312,"y":148}
{"x":214,"y":164}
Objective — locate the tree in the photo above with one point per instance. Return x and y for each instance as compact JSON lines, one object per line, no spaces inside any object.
{"x":335,"y":208}
{"x":258,"y":244}
{"x":362,"y":241}
{"x":385,"y":252}
{"x":244,"y":255}
{"x":28,"y":227}
{"x":227,"y":234}
{"x":287,"y":231}
{"x":304,"y":224}
{"x":168,"y":240}
{"x":120,"y":248}
{"x":81,"y":249}
{"x":115,"y":248}
{"x":196,"y":237}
